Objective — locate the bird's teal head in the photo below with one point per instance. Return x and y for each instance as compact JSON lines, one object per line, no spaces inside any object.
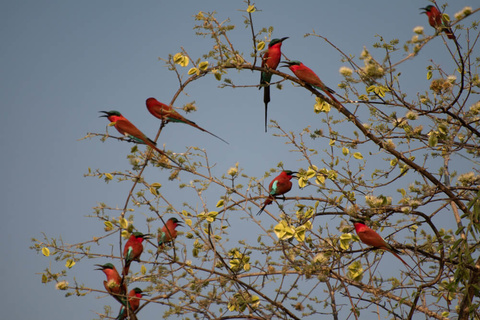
{"x":427,"y":9}
{"x":290,"y":63}
{"x":176,"y":221}
{"x":276,"y":40}
{"x":110,"y":113}
{"x":140,"y":235}
{"x":104,"y":266}
{"x":357,"y":220}
{"x":290,"y":173}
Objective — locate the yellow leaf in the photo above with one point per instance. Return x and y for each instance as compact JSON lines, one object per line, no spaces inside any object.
{"x":211,"y":216}
{"x":70,"y":263}
{"x":429,"y":75}
{"x":125,"y":234}
{"x":302,"y":183}
{"x":188,"y":222}
{"x":218,"y":76}
{"x":108,"y":176}
{"x":220,"y":203}
{"x":45,"y":251}
{"x":283,"y":230}
{"x":203,"y":65}
{"x":192,"y":71}
{"x":251,"y":8}
{"x":247,"y":267}
{"x":357,"y":155}
{"x":108,"y":225}
{"x":320,"y":179}
{"x":143,"y":269}
{"x":123,"y":223}
{"x":181,"y":59}
{"x":345,"y":151}
{"x":345,"y":241}
{"x":331,"y":143}
{"x":355,"y":271}
{"x":260,"y":45}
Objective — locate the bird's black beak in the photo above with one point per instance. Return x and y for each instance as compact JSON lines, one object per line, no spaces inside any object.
{"x":100,"y":267}
{"x":106,"y":115}
{"x":285,"y":65}
{"x":425,"y":10}
{"x":147,"y":236}
{"x":283,"y":39}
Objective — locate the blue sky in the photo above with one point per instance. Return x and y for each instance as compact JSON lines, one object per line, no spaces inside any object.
{"x":63,"y":61}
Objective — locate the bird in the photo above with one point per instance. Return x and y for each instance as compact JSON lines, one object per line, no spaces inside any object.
{"x":126,"y":128}
{"x":168,"y":233}
{"x":113,"y":284}
{"x":306,"y":74}
{"x":270,"y":60}
{"x":133,"y":249}
{"x":133,"y":303}
{"x":373,"y":239}
{"x":279,"y":186}
{"x":437,"y":21}
{"x":168,"y":114}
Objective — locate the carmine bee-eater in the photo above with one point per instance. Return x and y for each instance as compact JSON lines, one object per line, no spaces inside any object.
{"x":168,"y":114}
{"x":113,"y":284}
{"x":278,"y":187}
{"x":306,"y":74}
{"x":168,"y":233}
{"x":437,"y":21}
{"x":127,"y":128}
{"x":133,"y":249}
{"x":373,"y":239}
{"x":134,"y":297}
{"x":270,"y":60}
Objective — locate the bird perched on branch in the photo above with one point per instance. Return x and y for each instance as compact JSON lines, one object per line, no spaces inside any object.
{"x":168,"y":114}
{"x":126,"y":128}
{"x":133,"y":249}
{"x":270,"y":60}
{"x":133,"y":302}
{"x":373,"y":239}
{"x":278,"y":187}
{"x":306,"y":74}
{"x":113,"y":284}
{"x":438,"y":21}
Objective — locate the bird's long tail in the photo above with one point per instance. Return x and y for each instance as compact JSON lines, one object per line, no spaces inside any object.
{"x":398,"y":257}
{"x":193,"y":124}
{"x":266,"y":100}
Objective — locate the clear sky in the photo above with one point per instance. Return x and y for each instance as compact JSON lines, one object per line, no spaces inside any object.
{"x":63,"y":61}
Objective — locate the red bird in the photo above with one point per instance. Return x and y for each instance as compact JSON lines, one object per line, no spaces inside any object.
{"x":168,"y":114}
{"x":271,"y":58}
{"x":127,"y":128}
{"x":279,"y":186}
{"x":133,"y":249}
{"x":134,"y":297}
{"x":113,"y":284}
{"x":306,"y":74}
{"x":168,"y":233}
{"x":373,"y":239}
{"x":437,"y":21}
